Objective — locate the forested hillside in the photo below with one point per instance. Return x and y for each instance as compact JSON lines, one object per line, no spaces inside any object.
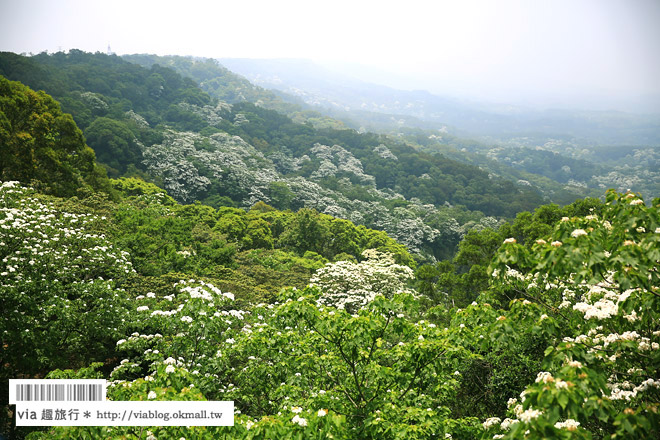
{"x":337,"y":93}
{"x":158,"y":125}
{"x":561,"y":168}
{"x":546,"y":326}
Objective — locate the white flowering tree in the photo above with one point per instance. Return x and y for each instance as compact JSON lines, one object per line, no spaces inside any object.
{"x":57,"y":282}
{"x":187,"y":326}
{"x":294,"y":369}
{"x":58,"y":287}
{"x":348,"y":285}
{"x":591,"y":293}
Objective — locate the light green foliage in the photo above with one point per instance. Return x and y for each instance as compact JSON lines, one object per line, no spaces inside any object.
{"x":232,"y":224}
{"x":377,"y":367}
{"x":308,"y":231}
{"x":132,"y":187}
{"x":590,"y":293}
{"x":458,"y":282}
{"x":258,"y":235}
{"x":163,"y":238}
{"x":295,"y":369}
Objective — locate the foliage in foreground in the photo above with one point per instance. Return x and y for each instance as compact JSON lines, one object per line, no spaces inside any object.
{"x":563,"y":344}
{"x":592,"y":290}
{"x":68,"y":282}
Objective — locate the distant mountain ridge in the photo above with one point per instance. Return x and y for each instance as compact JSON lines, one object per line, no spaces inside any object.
{"x":318,"y":86}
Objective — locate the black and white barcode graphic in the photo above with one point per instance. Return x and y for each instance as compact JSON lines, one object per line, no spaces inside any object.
{"x":56,"y":390}
{"x":27,"y":392}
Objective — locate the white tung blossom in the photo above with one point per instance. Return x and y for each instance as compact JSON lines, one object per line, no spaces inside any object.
{"x":529,"y":415}
{"x":350,"y":286}
{"x":568,"y":424}
{"x":578,"y":233}
{"x":491,"y":422}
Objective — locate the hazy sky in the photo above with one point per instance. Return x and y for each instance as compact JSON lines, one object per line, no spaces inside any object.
{"x":608,"y":50}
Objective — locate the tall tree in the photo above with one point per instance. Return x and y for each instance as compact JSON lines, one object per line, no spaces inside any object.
{"x":40,"y":143}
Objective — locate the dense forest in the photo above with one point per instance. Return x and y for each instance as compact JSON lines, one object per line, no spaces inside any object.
{"x":332,"y":284}
{"x":157,"y":125}
{"x":561,"y":168}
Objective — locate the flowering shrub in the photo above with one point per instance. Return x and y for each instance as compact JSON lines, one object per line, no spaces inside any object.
{"x":55,"y":276}
{"x":185,"y":327}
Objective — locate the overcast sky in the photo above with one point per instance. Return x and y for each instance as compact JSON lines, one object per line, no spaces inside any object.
{"x":571,"y":50}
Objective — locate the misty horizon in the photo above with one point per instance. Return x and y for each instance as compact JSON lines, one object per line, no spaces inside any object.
{"x":599,"y":54}
{"x":532,"y":99}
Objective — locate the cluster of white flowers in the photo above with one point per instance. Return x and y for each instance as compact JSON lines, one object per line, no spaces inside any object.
{"x":507,"y":423}
{"x":544,"y":377}
{"x":209,"y":113}
{"x":139,"y":120}
{"x":384,"y":152}
{"x":337,"y":159}
{"x":407,"y":228}
{"x":94,"y":100}
{"x":627,"y":390}
{"x":492,"y":421}
{"x":350,"y":286}
{"x":607,"y":301}
{"x":197,"y":300}
{"x":601,"y":309}
{"x":46,"y":250}
{"x":52,"y":241}
{"x":299,"y":420}
{"x":578,"y":233}
{"x":623,"y":177}
{"x":529,"y":415}
{"x":568,"y":424}
{"x":227,"y":158}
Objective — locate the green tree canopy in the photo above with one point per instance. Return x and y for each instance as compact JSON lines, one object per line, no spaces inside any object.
{"x":114,"y":144}
{"x":39,"y":142}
